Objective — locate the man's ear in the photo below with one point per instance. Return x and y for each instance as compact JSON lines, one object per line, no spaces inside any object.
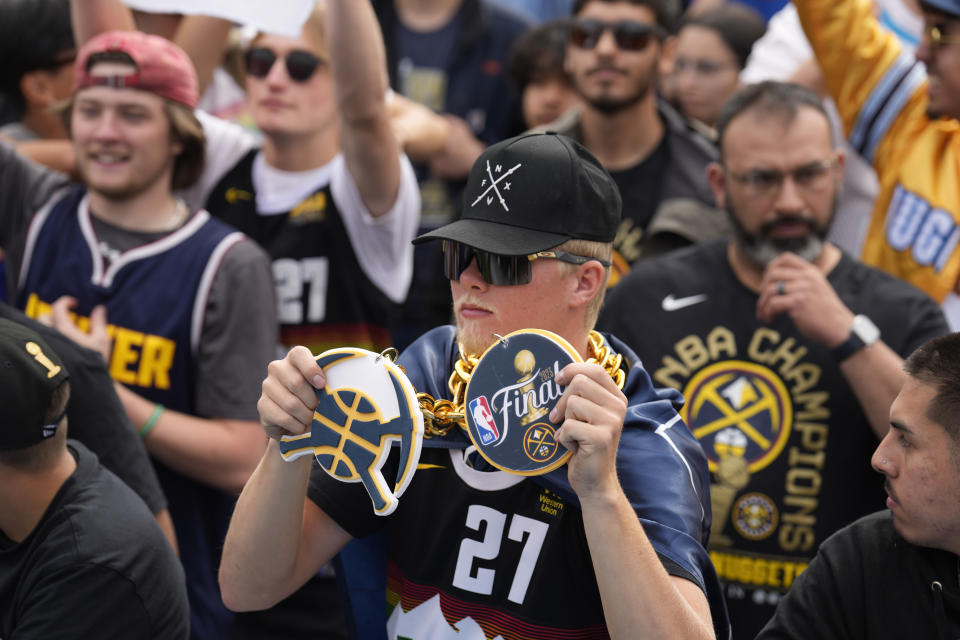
{"x":840,"y":167}
{"x":37,"y":88}
{"x":668,"y":55}
{"x":591,"y":280}
{"x":716,"y":177}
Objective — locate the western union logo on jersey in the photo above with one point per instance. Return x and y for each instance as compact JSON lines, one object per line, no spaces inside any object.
{"x":136,"y":358}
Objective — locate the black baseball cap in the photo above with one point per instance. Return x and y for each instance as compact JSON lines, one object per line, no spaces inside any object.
{"x":531,"y":193}
{"x":950,"y":7}
{"x":29,"y":373}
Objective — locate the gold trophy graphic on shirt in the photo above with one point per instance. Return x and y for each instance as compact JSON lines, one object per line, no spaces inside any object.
{"x":524,"y":363}
{"x":732,"y":475}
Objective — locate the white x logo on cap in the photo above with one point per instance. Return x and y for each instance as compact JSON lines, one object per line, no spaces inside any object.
{"x":493,"y":185}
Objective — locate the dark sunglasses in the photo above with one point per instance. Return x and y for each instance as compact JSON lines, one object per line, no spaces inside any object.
{"x":498,"y":269}
{"x":629,"y":35}
{"x":300,"y":64}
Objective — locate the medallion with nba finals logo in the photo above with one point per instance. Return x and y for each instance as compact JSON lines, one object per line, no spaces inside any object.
{"x":509,"y":398}
{"x":367,"y":404}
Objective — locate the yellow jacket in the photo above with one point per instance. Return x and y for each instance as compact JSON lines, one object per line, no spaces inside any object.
{"x":880,"y":91}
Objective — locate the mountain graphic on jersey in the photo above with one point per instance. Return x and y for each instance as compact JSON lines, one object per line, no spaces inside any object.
{"x":366,"y":405}
{"x":427,"y":621}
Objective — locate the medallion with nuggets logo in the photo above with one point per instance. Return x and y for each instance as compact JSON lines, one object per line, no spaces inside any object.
{"x":367,"y":404}
{"x":509,"y":396}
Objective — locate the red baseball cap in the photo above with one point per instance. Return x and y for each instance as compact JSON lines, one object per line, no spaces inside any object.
{"x":162,"y":67}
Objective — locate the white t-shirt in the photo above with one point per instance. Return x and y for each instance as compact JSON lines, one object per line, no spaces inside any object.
{"x":382,"y":244}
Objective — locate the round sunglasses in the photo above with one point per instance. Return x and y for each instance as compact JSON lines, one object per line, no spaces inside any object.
{"x":498,"y":269}
{"x":300,"y":64}
{"x":629,"y":35}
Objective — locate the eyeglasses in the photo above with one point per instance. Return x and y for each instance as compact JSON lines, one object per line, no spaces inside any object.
{"x":764,"y":183}
{"x":498,"y":269}
{"x":629,"y":35}
{"x":701,"y":67}
{"x":937,"y":37}
{"x":300,"y":64}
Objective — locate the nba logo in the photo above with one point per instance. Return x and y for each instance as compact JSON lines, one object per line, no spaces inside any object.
{"x":483,"y":420}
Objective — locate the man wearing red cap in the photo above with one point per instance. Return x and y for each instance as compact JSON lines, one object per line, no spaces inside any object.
{"x":152,"y":285}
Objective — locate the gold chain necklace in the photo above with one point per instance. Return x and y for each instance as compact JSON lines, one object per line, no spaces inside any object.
{"x":440,"y":416}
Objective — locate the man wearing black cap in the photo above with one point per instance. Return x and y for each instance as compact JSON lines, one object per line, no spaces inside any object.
{"x":97,"y":418}
{"x":618,"y":551}
{"x":79,"y":551}
{"x":900,"y":112}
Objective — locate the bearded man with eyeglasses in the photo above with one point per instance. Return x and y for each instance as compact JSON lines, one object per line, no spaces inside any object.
{"x":613,"y":59}
{"x":787,"y":351}
{"x":900,"y":112}
{"x":618,"y":553}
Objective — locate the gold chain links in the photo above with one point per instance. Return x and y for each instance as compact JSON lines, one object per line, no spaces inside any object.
{"x":604,"y":356}
{"x":440,"y":416}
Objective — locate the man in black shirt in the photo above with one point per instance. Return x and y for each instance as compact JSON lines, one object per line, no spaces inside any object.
{"x":658,"y":163}
{"x":893,"y":574}
{"x":774,"y":338}
{"x":78,"y":549}
{"x":98,"y":421}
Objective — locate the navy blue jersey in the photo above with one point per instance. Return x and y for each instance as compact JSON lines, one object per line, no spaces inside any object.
{"x":155,"y":294}
{"x":509,"y":552}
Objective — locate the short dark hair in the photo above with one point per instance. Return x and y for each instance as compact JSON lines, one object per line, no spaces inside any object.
{"x":738,"y":26}
{"x":667,"y":12}
{"x":538,"y":53}
{"x":937,"y":363}
{"x":34,"y":35}
{"x":769,"y":98}
{"x":42,"y":455}
{"x":940,"y":9}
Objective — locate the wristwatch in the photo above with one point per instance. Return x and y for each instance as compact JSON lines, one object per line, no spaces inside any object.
{"x":863,"y":333}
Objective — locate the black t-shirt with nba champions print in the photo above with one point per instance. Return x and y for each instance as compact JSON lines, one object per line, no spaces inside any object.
{"x":787,"y":443}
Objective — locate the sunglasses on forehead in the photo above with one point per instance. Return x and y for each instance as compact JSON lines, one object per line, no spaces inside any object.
{"x":300,"y":64}
{"x":498,"y":269}
{"x":629,"y":35}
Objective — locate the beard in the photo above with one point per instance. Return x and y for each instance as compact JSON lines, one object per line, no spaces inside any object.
{"x":473,"y":337}
{"x":762,"y":248}
{"x":472,"y":343}
{"x":610,"y":105}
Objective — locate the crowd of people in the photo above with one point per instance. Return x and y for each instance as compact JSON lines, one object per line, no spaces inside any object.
{"x":742,"y":220}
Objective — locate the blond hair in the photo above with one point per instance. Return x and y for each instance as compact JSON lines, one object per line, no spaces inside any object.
{"x":590,"y":249}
